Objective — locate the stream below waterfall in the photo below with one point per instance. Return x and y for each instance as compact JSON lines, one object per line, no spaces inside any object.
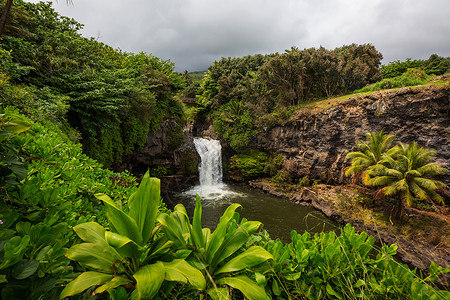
{"x":279,"y":216}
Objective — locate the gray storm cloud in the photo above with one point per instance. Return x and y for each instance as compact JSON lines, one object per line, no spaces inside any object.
{"x":194,"y":33}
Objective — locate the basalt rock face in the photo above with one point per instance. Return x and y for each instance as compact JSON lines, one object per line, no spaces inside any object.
{"x":315,"y":142}
{"x":170,"y":147}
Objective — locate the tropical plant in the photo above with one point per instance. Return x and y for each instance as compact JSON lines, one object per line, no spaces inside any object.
{"x":371,"y":153}
{"x":327,"y":266}
{"x":250,"y":163}
{"x":131,"y":253}
{"x":12,"y":165}
{"x":406,"y":171}
{"x":222,"y":255}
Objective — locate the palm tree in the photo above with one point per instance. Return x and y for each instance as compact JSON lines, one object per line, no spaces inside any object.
{"x":371,"y":153}
{"x":405,"y":172}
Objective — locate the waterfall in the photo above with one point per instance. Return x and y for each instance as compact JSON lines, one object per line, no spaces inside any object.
{"x":210,"y":168}
{"x":211,"y":187}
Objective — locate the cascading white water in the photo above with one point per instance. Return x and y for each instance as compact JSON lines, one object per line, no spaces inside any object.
{"x":210,"y":171}
{"x":210,"y":168}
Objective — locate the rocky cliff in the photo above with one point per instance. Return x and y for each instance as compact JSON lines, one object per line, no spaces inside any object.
{"x":315,"y":141}
{"x":170,"y":147}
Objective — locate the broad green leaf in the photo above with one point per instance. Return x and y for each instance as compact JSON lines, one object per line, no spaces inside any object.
{"x":219,"y":294}
{"x":179,"y":270}
{"x":260,"y":278}
{"x":196,"y":232}
{"x":123,"y":245}
{"x":276,"y":288}
{"x":120,"y":221}
{"x":25,"y":269}
{"x":234,"y":241}
{"x":206,"y":235}
{"x":14,"y":250}
{"x":3,"y":279}
{"x":159,"y":250}
{"x":181,"y":217}
{"x":293,"y":276}
{"x":249,"y":258}
{"x":144,"y":206}
{"x":332,"y":292}
{"x":102,"y":258}
{"x":149,"y":279}
{"x":91,"y":232}
{"x":134,"y":295}
{"x":84,"y":281}
{"x":218,"y":235}
{"x":172,"y":229}
{"x":17,"y":125}
{"x":112,"y":284}
{"x":248,"y":287}
{"x":118,"y":294}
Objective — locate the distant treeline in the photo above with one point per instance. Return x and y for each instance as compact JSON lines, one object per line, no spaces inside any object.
{"x":244,"y":94}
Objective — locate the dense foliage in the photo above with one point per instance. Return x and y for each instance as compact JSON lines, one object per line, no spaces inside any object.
{"x":435,"y":64}
{"x":409,"y":78}
{"x":247,"y":94}
{"x":112,"y":98}
{"x":50,"y":188}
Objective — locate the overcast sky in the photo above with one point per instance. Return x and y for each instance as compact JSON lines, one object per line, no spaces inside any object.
{"x":194,"y":33}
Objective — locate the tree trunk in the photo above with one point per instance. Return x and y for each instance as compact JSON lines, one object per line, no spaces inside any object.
{"x":398,"y":212}
{"x":4,"y":16}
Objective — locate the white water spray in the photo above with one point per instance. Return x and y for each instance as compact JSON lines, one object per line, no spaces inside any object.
{"x":210,"y":168}
{"x":210,"y":171}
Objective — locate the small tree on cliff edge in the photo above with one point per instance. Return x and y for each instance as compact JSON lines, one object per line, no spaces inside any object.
{"x":371,"y":153}
{"x":405,"y":172}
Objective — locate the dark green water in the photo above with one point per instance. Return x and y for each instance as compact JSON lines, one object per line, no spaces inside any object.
{"x":279,"y":216}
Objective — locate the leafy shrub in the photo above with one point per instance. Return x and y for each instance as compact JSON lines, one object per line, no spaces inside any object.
{"x":158,"y":171}
{"x":175,"y":135}
{"x":281,"y":176}
{"x":225,"y":255}
{"x":235,"y":124}
{"x":12,"y":165}
{"x":303,"y":182}
{"x":131,"y":253}
{"x":409,"y":78}
{"x":327,"y":266}
{"x":435,"y":64}
{"x":273,"y":165}
{"x":397,"y":68}
{"x":250,"y":163}
{"x":39,"y":211}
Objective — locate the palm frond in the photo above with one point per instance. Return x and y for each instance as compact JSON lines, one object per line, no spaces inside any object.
{"x":412,"y":173}
{"x":432,"y":169}
{"x":387,"y":141}
{"x":407,"y":197}
{"x":353,"y":169}
{"x":426,"y":183}
{"x":356,"y":154}
{"x":436,"y":197}
{"x":417,"y":191}
{"x":378,"y":180}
